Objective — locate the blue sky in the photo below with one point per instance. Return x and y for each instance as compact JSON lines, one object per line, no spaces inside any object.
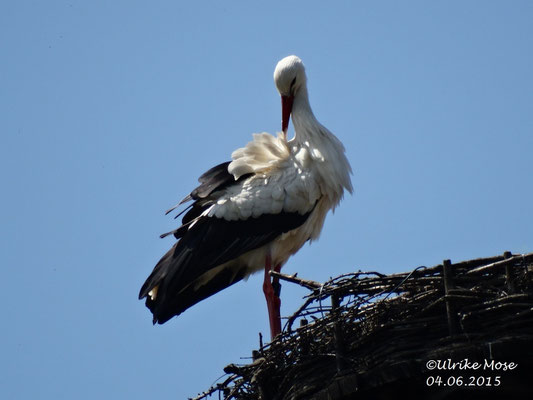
{"x":111,"y":110}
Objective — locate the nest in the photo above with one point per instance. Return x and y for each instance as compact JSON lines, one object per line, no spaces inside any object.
{"x":368,"y":335}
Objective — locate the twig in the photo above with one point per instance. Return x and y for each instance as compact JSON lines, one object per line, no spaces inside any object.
{"x":311,"y":285}
{"x":297,"y":314}
{"x":501,"y":263}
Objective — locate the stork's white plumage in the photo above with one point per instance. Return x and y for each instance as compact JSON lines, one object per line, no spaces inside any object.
{"x":255,"y":211}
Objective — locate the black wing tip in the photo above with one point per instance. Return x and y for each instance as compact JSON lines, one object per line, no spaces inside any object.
{"x":143,"y":292}
{"x":160,"y":316}
{"x":172,"y":209}
{"x":153,"y":307}
{"x":187,"y":198}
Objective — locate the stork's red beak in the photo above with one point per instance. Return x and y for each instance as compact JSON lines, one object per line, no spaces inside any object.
{"x":286,"y":109}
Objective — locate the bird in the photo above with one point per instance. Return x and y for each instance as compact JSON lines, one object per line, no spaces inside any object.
{"x":255,"y":211}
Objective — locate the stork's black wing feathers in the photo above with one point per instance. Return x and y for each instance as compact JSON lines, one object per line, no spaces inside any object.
{"x":205,"y":243}
{"x":208,"y":244}
{"x":215,"y":179}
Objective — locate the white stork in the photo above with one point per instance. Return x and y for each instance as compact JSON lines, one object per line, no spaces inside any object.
{"x":255,"y":211}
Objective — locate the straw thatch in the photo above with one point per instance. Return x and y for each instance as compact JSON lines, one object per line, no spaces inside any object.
{"x":367,"y":335}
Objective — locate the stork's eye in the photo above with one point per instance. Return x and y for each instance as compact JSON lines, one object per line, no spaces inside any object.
{"x":292,"y":83}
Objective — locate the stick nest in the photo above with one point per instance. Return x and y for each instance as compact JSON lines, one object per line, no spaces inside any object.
{"x":366,"y":332}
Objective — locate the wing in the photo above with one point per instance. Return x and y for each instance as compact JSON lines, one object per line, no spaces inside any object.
{"x":227,"y":219}
{"x":216,"y":178}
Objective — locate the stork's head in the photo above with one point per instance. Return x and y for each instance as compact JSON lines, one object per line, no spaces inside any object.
{"x":289,"y":77}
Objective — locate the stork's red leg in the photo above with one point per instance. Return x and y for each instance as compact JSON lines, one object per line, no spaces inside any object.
{"x":271,"y":288}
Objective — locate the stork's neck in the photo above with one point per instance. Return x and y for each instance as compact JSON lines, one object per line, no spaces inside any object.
{"x":324,"y":148}
{"x":306,"y":126}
